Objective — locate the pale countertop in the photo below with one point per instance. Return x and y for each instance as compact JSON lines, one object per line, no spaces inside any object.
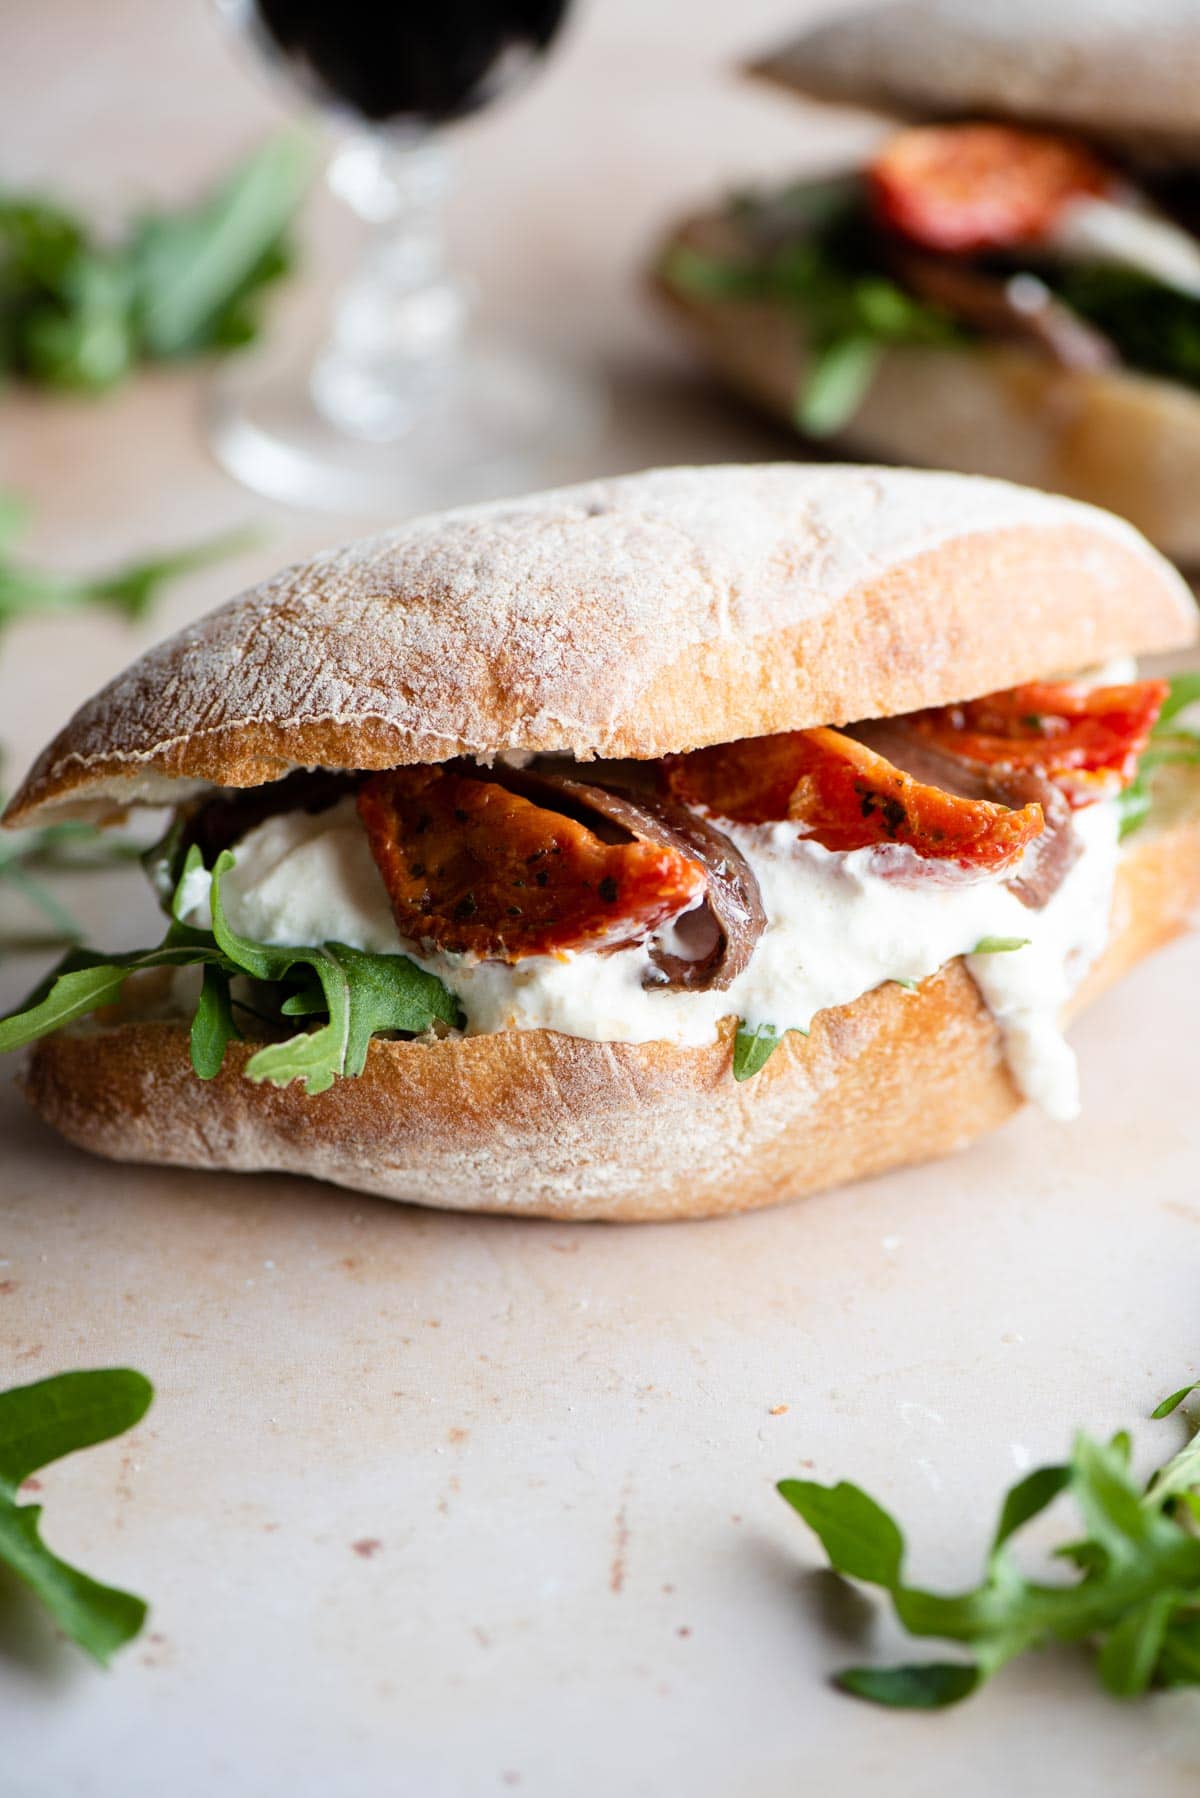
{"x":439,"y":1506}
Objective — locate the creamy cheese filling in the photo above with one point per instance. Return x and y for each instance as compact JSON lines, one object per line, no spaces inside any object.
{"x":838,"y":925}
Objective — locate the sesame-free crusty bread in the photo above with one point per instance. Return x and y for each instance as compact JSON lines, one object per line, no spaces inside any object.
{"x":627,"y":617}
{"x":544,"y":1125}
{"x":1114,"y":438}
{"x":1126,"y":71}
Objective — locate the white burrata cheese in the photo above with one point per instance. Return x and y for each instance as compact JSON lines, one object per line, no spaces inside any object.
{"x":838,"y":925}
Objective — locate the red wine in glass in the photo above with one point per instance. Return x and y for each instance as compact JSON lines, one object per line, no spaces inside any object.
{"x":427,"y":64}
{"x":401,"y":408}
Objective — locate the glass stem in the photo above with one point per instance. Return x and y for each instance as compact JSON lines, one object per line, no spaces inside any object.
{"x":399,"y":322}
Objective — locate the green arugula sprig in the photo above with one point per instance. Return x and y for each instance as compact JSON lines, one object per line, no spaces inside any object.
{"x":1155,"y":327}
{"x":1137,"y":1597}
{"x":131,"y":591}
{"x":80,"y":315}
{"x":357,"y":994}
{"x":1171,"y":742}
{"x":753,"y":1048}
{"x":820,"y":259}
{"x":42,"y":1423}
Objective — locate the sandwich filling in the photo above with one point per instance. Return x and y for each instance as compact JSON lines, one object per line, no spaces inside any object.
{"x":967,"y":232}
{"x":766,"y":880}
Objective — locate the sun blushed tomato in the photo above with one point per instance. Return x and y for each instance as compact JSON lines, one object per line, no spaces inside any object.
{"x":1087,"y":740}
{"x":961,"y":188}
{"x":847,"y":797}
{"x":472,"y":867}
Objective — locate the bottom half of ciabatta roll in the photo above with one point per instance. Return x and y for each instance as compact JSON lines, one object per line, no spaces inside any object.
{"x":1128,"y":442}
{"x":546,"y":1125}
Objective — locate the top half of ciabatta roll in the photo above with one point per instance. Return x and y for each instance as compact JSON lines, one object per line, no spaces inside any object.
{"x":656,"y":847}
{"x":641,"y":616}
{"x":1120,"y":71}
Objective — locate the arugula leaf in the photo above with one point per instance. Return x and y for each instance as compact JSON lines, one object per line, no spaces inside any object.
{"x":838,"y":381}
{"x":130,"y":590}
{"x":213,"y":1024}
{"x":1154,"y":327}
{"x":929,"y":1686}
{"x":999,"y":945}
{"x":195,"y":272}
{"x":1170,"y":742}
{"x":812,"y":250}
{"x":360,"y":994}
{"x":1137,"y":1597}
{"x":1175,"y":1400}
{"x":1185,"y":691}
{"x":39,"y":1424}
{"x":753,"y":1049}
{"x":79,"y":315}
{"x":859,"y":1537}
{"x":1133,"y":807}
{"x":70,"y":845}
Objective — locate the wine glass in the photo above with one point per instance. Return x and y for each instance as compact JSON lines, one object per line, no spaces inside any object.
{"x":403,"y":407}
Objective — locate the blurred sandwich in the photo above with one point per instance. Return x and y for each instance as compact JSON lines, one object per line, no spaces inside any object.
{"x":1011,"y":285}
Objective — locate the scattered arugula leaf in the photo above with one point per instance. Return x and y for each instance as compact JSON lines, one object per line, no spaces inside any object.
{"x":85,"y":980}
{"x":75,"y":846}
{"x":130,"y":590}
{"x":1137,"y":1598}
{"x":42,"y":1423}
{"x":77,"y":314}
{"x":999,"y":945}
{"x":1175,"y":1400}
{"x":359,"y":994}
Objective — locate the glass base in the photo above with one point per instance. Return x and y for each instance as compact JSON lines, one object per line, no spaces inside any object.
{"x":497,"y":425}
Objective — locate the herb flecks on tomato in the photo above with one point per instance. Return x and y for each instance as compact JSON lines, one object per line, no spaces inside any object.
{"x":471,"y":867}
{"x":847,"y":797}
{"x":1086,"y":740}
{"x":964,"y":188}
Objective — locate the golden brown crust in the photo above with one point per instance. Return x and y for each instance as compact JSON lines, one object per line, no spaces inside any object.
{"x":538,"y":1124}
{"x":1124,"y":441}
{"x":636,"y":616}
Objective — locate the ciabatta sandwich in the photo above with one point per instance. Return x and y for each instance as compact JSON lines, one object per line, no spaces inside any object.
{"x":1011,"y":284}
{"x":664,"y":846}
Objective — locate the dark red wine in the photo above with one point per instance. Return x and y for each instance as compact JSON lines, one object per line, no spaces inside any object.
{"x":404,"y":61}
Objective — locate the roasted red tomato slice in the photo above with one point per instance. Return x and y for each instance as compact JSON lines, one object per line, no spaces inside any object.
{"x":1087,"y":740}
{"x":848,"y":797}
{"x":471,"y":867}
{"x":979,"y":187}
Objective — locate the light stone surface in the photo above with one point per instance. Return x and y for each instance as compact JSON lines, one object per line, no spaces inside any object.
{"x":440,"y":1506}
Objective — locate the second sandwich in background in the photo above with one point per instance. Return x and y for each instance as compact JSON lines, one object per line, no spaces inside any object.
{"x":1011,"y":286}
